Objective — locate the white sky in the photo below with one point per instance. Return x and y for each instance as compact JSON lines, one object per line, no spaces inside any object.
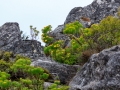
{"x":38,"y":13}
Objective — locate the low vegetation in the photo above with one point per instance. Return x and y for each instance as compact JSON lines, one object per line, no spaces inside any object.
{"x":84,"y":41}
{"x":16,"y":73}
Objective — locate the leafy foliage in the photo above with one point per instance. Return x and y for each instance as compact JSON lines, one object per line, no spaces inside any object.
{"x":66,"y":55}
{"x":16,"y":73}
{"x":20,"y":75}
{"x":4,"y":66}
{"x":56,"y":86}
{"x":6,"y":55}
{"x":45,"y":37}
{"x":85,"y":41}
{"x":73,"y":28}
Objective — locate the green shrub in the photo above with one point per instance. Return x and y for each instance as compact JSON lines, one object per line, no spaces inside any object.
{"x":4,"y":66}
{"x":73,"y":28}
{"x":20,"y":75}
{"x":45,"y":37}
{"x":67,"y":55}
{"x":56,"y":86}
{"x":85,"y":41}
{"x":7,"y":55}
{"x":18,"y":56}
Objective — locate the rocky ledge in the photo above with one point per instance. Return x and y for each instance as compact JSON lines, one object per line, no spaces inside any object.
{"x":101,"y":72}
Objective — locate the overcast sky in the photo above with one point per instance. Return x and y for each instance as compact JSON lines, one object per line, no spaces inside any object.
{"x":38,"y":13}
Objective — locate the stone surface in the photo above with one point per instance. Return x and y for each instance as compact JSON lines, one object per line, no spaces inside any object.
{"x":10,"y":40}
{"x":88,"y":15}
{"x":64,"y":72}
{"x":30,"y":48}
{"x":9,"y":36}
{"x":57,"y":34}
{"x":96,"y":11}
{"x":101,"y":72}
{"x":59,"y":29}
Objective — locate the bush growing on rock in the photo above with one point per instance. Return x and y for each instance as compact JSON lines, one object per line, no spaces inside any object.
{"x":85,"y":41}
{"x":45,"y":37}
{"x":20,"y":75}
{"x":4,"y":66}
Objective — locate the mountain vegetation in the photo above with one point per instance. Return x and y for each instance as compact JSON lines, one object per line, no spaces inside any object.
{"x":16,"y":73}
{"x":83,"y":41}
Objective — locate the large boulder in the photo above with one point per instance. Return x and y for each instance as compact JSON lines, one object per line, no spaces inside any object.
{"x":87,"y":15}
{"x":101,"y":72}
{"x":9,"y":36}
{"x":11,"y":40}
{"x":64,"y":72}
{"x":94,"y":12}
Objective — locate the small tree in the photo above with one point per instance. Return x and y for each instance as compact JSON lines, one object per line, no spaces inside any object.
{"x":85,"y":41}
{"x":34,"y":33}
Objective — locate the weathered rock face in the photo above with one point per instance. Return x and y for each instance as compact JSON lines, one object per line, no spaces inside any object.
{"x":57,"y":34}
{"x":101,"y":72}
{"x":30,"y":48}
{"x":87,"y":15}
{"x":64,"y":72}
{"x":94,"y":12}
{"x":10,"y":40}
{"x":9,"y":36}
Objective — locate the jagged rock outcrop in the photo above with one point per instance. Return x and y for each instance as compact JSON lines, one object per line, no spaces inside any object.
{"x":57,"y":34}
{"x":64,"y":72}
{"x":87,"y":15}
{"x":101,"y":72}
{"x":10,"y":40}
{"x":94,"y":12}
{"x":9,"y":36}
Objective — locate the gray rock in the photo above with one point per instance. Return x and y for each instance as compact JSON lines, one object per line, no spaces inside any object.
{"x":10,"y":40}
{"x":59,"y":29}
{"x":57,"y":34}
{"x":101,"y":72}
{"x":87,"y":15}
{"x":30,"y":48}
{"x":96,"y":11}
{"x":64,"y":72}
{"x":9,"y":36}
